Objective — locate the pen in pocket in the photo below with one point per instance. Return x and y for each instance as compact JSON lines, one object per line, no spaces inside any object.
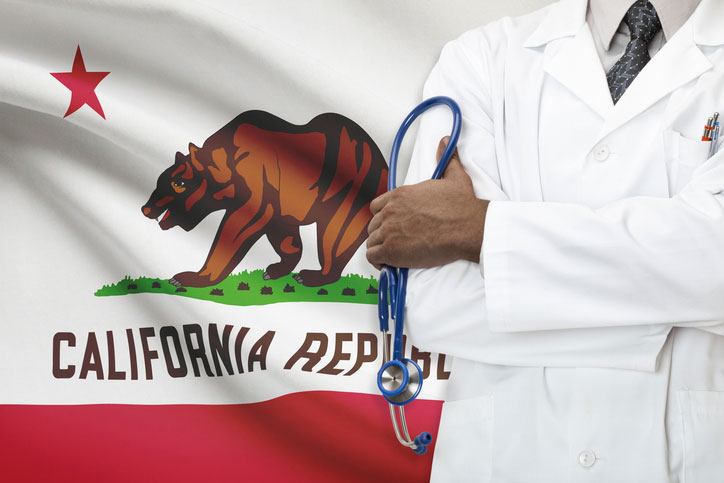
{"x":707,"y":129}
{"x":714,"y":135}
{"x":711,"y":133}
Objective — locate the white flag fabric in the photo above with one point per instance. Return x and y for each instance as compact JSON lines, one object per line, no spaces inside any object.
{"x":186,"y":189}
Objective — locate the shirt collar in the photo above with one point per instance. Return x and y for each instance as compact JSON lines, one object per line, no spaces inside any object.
{"x":608,"y":14}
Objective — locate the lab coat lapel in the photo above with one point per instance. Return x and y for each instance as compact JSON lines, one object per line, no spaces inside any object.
{"x":570,"y":55}
{"x":678,"y":62}
{"x":576,"y":66}
{"x":707,"y":23}
{"x":564,"y":45}
{"x":572,"y":60}
{"x":564,"y":19}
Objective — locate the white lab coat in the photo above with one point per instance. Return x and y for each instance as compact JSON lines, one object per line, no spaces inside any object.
{"x":589,"y":343}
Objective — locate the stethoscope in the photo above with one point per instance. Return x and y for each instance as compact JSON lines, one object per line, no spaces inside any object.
{"x":400,"y":379}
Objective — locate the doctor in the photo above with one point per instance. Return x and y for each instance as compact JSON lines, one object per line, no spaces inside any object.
{"x":582,"y":246}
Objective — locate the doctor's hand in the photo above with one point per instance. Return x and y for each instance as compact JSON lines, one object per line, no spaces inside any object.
{"x":430,"y":223}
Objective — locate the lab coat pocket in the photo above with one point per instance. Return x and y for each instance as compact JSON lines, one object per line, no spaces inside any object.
{"x":465,"y":441}
{"x":683,"y":155}
{"x":702,"y":415}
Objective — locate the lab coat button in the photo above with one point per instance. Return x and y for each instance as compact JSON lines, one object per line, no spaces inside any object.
{"x":587,"y":458}
{"x":601,"y":152}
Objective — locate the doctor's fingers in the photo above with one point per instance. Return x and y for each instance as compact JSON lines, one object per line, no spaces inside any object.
{"x":375,"y":223}
{"x":441,"y":148}
{"x":387,"y":250}
{"x":377,"y":251}
{"x":379,"y":202}
{"x":397,"y":194}
{"x":454,"y":171}
{"x":373,"y":256}
{"x":377,"y":234}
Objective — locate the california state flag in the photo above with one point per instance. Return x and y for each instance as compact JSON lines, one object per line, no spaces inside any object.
{"x":184,"y":292}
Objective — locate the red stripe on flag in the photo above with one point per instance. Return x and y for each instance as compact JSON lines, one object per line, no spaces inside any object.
{"x":309,"y":436}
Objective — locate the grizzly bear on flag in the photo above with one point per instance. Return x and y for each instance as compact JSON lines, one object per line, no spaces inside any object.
{"x":271,"y":177}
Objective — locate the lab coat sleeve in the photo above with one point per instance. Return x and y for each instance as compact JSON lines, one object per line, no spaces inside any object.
{"x":446,"y":306}
{"x":636,"y":261}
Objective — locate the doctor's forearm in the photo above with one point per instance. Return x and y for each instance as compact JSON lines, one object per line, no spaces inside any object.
{"x":638,"y":261}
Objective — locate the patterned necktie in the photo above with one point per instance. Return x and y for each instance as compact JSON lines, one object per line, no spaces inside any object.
{"x":643,"y":23}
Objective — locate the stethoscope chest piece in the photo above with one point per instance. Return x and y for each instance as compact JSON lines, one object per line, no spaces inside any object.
{"x":400,"y":381}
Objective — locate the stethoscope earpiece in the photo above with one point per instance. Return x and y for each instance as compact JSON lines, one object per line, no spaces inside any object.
{"x":399,"y":379}
{"x":421,"y":442}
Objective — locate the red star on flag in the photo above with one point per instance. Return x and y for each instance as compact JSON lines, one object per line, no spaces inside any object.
{"x":82,"y":85}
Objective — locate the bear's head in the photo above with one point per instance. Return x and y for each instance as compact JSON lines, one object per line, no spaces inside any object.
{"x":197,"y":184}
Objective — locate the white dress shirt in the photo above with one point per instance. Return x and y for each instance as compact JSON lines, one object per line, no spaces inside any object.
{"x":611,"y":34}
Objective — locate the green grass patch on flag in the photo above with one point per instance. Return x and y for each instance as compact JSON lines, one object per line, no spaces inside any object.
{"x":250,"y":288}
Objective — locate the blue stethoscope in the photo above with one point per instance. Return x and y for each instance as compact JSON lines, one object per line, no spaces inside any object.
{"x":400,"y":379}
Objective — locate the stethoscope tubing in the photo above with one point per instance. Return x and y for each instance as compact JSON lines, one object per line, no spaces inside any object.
{"x":449,"y":149}
{"x":393,"y":280}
